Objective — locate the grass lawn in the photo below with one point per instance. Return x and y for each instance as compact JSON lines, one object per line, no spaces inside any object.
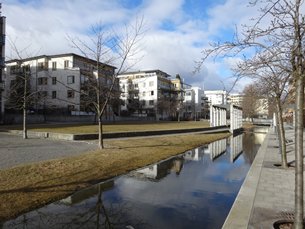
{"x":24,"y":188}
{"x":107,"y":128}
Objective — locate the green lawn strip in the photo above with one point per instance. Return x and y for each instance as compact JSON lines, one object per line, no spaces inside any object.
{"x":107,"y":128}
{"x":24,"y":188}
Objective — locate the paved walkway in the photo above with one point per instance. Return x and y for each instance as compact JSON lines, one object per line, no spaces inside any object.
{"x":267,"y":194}
{"x":14,"y":150}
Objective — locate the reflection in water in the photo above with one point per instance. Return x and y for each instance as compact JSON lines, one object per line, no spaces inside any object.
{"x":217,"y":148}
{"x":193,"y":190}
{"x":236,"y":146}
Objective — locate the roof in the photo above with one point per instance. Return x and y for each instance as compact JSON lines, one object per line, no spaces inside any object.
{"x":56,"y":56}
{"x":145,"y":71}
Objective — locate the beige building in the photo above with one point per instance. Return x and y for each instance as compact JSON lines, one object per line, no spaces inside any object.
{"x":56,"y":80}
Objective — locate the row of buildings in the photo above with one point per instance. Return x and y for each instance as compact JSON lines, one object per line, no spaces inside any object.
{"x":66,"y":85}
{"x":61,"y":83}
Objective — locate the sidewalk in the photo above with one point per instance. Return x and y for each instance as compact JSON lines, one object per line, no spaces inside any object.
{"x":267,"y":194}
{"x":14,"y":150}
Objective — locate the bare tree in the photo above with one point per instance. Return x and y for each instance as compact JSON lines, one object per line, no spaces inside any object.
{"x":250,"y":101}
{"x":271,"y":80}
{"x":21,"y":94}
{"x":279,"y":30}
{"x":107,"y":48}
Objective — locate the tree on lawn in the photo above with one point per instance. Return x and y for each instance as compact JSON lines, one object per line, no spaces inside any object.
{"x":279,"y":31}
{"x":21,"y":95}
{"x":106,"y":48}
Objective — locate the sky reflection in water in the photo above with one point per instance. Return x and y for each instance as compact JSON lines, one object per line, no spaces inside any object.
{"x":193,"y":190}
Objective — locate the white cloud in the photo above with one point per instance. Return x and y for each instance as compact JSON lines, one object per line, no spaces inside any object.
{"x":44,"y":26}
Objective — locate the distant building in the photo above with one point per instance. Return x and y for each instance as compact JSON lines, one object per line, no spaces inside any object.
{"x":151,"y":93}
{"x":216,"y":97}
{"x":262,"y":108}
{"x":235,"y":99}
{"x":2,"y":64}
{"x":195,"y":102}
{"x":58,"y":81}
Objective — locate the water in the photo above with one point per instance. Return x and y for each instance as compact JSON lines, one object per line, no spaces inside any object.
{"x":193,"y":190}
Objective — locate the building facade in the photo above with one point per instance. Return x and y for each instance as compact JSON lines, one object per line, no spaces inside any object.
{"x":216,"y":97}
{"x":147,"y":93}
{"x":57,"y":81}
{"x":2,"y":64}
{"x":236,"y":99}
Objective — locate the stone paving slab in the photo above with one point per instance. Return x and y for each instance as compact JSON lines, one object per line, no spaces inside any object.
{"x":272,"y":195}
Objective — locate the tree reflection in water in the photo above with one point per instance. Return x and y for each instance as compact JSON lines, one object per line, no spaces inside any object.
{"x":89,"y":211}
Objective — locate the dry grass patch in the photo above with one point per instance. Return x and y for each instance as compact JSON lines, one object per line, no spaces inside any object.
{"x":31,"y":186}
{"x":86,"y":129}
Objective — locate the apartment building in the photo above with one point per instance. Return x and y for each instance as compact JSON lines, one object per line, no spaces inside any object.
{"x":58,"y":81}
{"x":236,"y":99}
{"x":151,"y":93}
{"x":2,"y":65}
{"x":216,"y":97}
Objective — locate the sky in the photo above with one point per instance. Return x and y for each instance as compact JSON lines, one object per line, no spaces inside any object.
{"x":176,"y":32}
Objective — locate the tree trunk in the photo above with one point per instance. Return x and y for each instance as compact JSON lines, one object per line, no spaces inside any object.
{"x":298,"y":74}
{"x":299,"y":152}
{"x":24,"y":131}
{"x":25,"y":134}
{"x":100,"y":133}
{"x":281,"y":133}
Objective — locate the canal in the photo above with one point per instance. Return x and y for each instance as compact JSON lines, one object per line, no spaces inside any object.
{"x":193,"y":190}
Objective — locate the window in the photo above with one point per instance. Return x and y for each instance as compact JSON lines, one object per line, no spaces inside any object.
{"x":66,"y":64}
{"x":53,"y":94}
{"x":151,"y":83}
{"x":41,"y":66}
{"x":136,"y":85}
{"x":54,"y":80}
{"x":70,"y":79}
{"x":42,"y":94}
{"x":70,"y":94}
{"x":152,"y":93}
{"x":144,"y":85}
{"x":14,"y":69}
{"x":13,"y":83}
{"x":143,"y":93}
{"x":71,"y":107}
{"x":54,"y":65}
{"x":42,"y":81}
{"x":151,"y":102}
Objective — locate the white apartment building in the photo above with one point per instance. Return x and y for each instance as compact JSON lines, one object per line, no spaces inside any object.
{"x":235,"y":99}
{"x":216,"y":97}
{"x":195,"y":101}
{"x":145,"y":90}
{"x":58,"y":78}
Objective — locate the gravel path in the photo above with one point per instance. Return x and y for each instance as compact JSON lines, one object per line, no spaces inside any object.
{"x":16,"y":151}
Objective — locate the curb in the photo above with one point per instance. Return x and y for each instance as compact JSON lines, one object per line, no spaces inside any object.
{"x":77,"y":137}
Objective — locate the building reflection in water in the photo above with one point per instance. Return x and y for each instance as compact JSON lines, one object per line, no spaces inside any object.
{"x":215,"y":149}
{"x":236,"y":146}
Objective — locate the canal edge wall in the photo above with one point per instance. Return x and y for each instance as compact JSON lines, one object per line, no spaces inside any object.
{"x":241,"y":210}
{"x":78,"y":137}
